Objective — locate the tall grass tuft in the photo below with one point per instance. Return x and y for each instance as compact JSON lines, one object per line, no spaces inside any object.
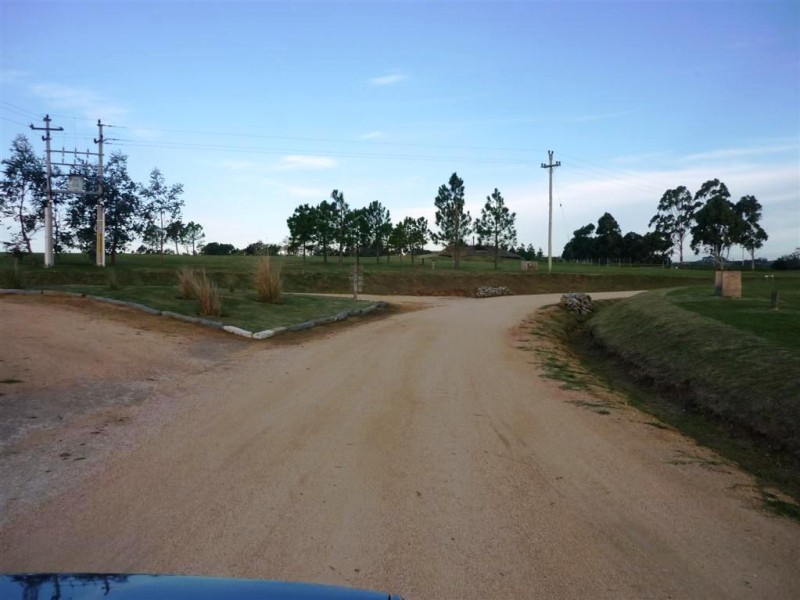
{"x":207,"y":294}
{"x":268,"y":281}
{"x":187,"y":283}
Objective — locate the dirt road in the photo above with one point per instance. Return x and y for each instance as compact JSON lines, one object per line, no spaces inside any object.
{"x":422,"y":454}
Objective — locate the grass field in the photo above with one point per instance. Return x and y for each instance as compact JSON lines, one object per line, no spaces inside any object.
{"x":430,"y":275}
{"x":753,"y":312}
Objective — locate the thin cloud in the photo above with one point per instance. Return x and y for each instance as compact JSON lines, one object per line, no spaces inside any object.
{"x":237,"y":165}
{"x":301,"y":192}
{"x":84,"y":101}
{"x":392,"y":79}
{"x":11,"y":75}
{"x":638,"y":158}
{"x":301,"y":161}
{"x":597,"y":117}
{"x":372,"y":135}
{"x":731,"y":153}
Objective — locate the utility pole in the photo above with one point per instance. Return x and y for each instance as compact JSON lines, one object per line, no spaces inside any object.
{"x":550,"y":166}
{"x":100,"y":251}
{"x":48,"y":209}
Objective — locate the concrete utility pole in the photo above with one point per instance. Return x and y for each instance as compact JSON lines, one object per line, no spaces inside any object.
{"x":100,"y":251}
{"x":550,"y":166}
{"x":49,"y":260}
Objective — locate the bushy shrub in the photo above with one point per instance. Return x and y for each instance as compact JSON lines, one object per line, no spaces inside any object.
{"x":787,"y":262}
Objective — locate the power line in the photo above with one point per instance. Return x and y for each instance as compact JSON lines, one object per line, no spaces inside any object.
{"x":340,"y":154}
{"x":18,"y":109}
{"x":13,"y":121}
{"x":596,"y":166}
{"x":323,"y":140}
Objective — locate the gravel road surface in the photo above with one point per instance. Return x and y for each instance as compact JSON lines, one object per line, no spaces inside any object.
{"x":422,"y":453}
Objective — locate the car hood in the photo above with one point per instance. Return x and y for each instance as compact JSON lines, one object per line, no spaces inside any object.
{"x":93,"y":586}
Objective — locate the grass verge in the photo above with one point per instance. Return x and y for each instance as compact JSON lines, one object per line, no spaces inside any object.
{"x":678,"y":368}
{"x":239,"y":308}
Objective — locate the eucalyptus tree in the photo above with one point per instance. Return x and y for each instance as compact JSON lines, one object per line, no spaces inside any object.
{"x":717,"y":224}
{"x":752,"y":236}
{"x":675,"y":216}
{"x":124,"y":219}
{"x":194,"y":235}
{"x":162,"y":207}
{"x":23,"y":193}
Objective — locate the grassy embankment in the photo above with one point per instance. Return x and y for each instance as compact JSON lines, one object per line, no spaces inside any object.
{"x":725,"y":371}
{"x":430,"y":275}
{"x":151,"y":280}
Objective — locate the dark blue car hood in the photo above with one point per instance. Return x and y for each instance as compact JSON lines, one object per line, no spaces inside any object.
{"x":80,"y":586}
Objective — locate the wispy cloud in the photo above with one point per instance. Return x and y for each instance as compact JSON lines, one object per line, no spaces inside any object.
{"x":732,"y":153}
{"x":237,"y":165}
{"x":372,"y":135}
{"x":301,"y":161}
{"x":639,"y":158}
{"x":597,"y":117}
{"x":297,"y":191}
{"x":391,"y":79}
{"x":11,"y":75}
{"x":87,"y":102}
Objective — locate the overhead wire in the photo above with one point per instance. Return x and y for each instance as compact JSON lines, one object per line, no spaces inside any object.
{"x":336,"y":153}
{"x":584,"y":167}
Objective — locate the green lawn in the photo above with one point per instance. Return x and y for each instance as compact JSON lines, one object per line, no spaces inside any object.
{"x":753,"y":311}
{"x":239,"y":307}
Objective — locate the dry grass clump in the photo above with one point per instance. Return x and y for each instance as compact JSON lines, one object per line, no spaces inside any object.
{"x":187,"y":283}
{"x":194,"y":284}
{"x":268,"y":281}
{"x":208,"y":295}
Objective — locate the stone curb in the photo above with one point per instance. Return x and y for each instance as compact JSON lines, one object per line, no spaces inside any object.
{"x":257,"y":335}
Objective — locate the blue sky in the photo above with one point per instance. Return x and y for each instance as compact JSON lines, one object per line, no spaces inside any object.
{"x":258,"y":107}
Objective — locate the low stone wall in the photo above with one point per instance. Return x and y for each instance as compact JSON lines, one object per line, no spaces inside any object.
{"x":491,"y":292}
{"x":577,"y":303}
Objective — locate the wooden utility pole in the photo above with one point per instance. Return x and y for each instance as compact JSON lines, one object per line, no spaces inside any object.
{"x":49,"y":259}
{"x":550,"y":166}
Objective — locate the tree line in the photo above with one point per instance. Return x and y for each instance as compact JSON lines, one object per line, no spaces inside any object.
{"x":708,"y":218}
{"x":150,"y":212}
{"x":332,"y":228}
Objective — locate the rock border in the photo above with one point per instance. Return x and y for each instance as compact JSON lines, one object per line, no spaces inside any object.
{"x":255,"y":335}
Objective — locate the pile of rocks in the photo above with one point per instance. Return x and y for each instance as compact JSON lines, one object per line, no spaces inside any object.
{"x":577,"y":303}
{"x":489,"y":292}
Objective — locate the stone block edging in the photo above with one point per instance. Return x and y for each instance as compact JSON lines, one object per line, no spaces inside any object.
{"x":256,"y":335}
